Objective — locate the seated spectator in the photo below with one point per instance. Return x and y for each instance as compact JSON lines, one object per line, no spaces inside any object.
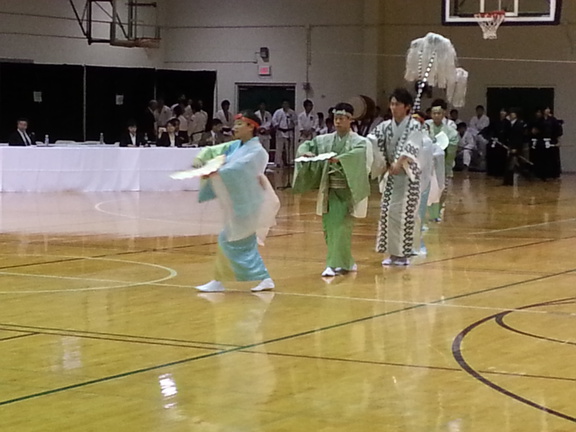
{"x":171,"y":137}
{"x":466,"y":145}
{"x":328,"y":127}
{"x":454,"y":116}
{"x":21,"y":137}
{"x":214,"y":136}
{"x":321,"y":123}
{"x":131,"y":138}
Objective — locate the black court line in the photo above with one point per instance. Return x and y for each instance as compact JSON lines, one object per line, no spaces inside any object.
{"x":493,"y":251}
{"x":105,"y":338}
{"x":20,"y":336}
{"x":116,"y":254}
{"x":254,"y":345}
{"x":500,"y":320}
{"x":405,"y":365}
{"x":71,"y":332}
{"x":459,"y":357}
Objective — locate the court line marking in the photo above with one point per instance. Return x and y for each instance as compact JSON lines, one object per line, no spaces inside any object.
{"x":457,"y":353}
{"x":171,"y":274}
{"x":124,"y":284}
{"x":244,"y":347}
{"x":521,"y":227}
{"x":72,"y":332}
{"x":9,"y":338}
{"x":98,"y":208}
{"x":110,"y":339}
{"x":504,"y":325}
{"x":411,"y":366}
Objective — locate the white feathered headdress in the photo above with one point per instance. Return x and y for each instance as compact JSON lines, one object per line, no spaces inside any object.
{"x":432,"y":59}
{"x":456,"y":94}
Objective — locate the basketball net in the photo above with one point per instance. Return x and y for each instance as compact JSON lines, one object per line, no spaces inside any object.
{"x":489,"y":23}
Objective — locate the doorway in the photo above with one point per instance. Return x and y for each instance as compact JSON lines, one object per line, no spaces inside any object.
{"x":250,"y":96}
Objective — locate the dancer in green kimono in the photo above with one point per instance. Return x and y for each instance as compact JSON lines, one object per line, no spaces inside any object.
{"x":343,"y":184}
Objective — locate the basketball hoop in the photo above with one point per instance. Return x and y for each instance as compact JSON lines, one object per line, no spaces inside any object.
{"x":489,"y":23}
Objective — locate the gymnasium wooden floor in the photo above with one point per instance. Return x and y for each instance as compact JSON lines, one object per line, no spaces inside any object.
{"x":100,"y":329}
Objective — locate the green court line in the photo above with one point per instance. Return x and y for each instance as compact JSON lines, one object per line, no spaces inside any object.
{"x":20,"y":336}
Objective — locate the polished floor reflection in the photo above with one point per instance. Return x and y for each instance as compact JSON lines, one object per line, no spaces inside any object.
{"x":101,"y":330}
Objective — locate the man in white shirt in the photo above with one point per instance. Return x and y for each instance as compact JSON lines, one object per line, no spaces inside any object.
{"x":480,"y":121}
{"x":20,"y":137}
{"x":284,"y":121}
{"x":163,"y":114}
{"x":201,"y":109}
{"x":307,"y":122}
{"x":226,"y":117}
{"x":197,"y":124}
{"x":265,"y":130}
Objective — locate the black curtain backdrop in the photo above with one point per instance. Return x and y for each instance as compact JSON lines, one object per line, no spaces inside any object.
{"x":60,"y":111}
{"x":104,"y":113}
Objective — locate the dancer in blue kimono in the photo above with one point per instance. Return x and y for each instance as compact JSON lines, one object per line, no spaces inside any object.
{"x":248,"y":201}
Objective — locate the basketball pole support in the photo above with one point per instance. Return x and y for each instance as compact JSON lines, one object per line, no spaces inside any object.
{"x":110,"y":9}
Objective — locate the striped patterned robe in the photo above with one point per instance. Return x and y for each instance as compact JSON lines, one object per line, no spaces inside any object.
{"x":400,"y":193}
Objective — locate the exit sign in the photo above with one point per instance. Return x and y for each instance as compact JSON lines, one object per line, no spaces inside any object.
{"x":265,"y":70}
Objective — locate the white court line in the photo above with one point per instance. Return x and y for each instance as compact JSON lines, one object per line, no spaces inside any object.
{"x":173,"y":273}
{"x":524,"y":227}
{"x":98,"y":208}
{"x":121,"y":284}
{"x":400,"y":302}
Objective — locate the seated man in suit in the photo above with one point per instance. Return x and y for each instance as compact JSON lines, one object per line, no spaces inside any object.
{"x":171,"y":138}
{"x":131,"y":138}
{"x":215,"y":136}
{"x":21,"y":137}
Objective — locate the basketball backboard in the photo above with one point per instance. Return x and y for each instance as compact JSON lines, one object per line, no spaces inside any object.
{"x":518,"y":12}
{"x":128,"y":23}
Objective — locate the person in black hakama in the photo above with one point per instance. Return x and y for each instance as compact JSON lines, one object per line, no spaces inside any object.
{"x":552,"y":130}
{"x":516,"y":140}
{"x":496,"y":155}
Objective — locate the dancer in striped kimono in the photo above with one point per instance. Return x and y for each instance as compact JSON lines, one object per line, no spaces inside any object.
{"x":398,"y":142}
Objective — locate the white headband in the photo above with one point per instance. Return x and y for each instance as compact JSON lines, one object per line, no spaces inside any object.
{"x":342,"y":112}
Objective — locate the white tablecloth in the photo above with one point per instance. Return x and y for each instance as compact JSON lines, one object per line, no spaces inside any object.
{"x":94,"y":169}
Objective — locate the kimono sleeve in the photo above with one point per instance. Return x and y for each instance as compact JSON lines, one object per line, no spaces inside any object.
{"x":411,"y":148}
{"x":210,"y":153}
{"x":356,"y":163}
{"x":453,"y":136}
{"x":241,"y":188}
{"x":241,"y":179}
{"x":308,"y":175}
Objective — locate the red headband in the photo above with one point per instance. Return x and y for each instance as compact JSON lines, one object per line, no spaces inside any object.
{"x":247,"y":120}
{"x":418,"y":117}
